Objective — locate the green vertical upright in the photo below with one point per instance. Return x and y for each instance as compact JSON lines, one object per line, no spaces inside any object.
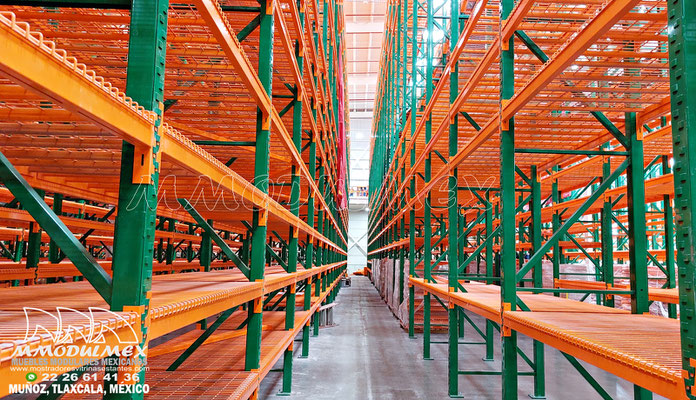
{"x":309,"y":253}
{"x":205,"y":252}
{"x":637,"y":240}
{"x":638,"y":243}
{"x":412,"y":192}
{"x":681,"y":16}
{"x":427,"y":208}
{"x":134,"y":232}
{"x":261,"y":165}
{"x":453,"y":215}
{"x":508,"y":282}
{"x":53,"y":249}
{"x":607,"y":237}
{"x":34,"y":240}
{"x":489,"y":271}
{"x":295,"y":209}
{"x":538,"y":278}
{"x":556,"y":225}
{"x":669,"y":239}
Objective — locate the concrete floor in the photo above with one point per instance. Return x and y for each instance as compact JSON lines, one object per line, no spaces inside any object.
{"x":368,"y":356}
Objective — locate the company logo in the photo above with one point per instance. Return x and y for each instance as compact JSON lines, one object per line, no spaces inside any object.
{"x":69,"y":332}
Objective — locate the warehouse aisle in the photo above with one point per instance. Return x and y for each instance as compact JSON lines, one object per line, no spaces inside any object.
{"x":368,"y":356}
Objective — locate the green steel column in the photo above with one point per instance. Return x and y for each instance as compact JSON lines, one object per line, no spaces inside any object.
{"x":405,"y":102}
{"x":34,"y":245}
{"x":478,"y":243}
{"x":309,"y":254}
{"x":412,"y":211}
{"x":598,"y":266}
{"x":427,"y":209}
{"x":205,"y":252}
{"x":170,"y":254}
{"x":462,"y":244}
{"x":538,"y":277}
{"x":320,"y":278}
{"x":295,"y":209}
{"x":34,"y":240}
{"x":246,"y":248}
{"x":53,"y":249}
{"x":556,"y":225}
{"x":607,"y":237}
{"x":669,"y":239}
{"x":287,"y":355}
{"x":402,"y":249}
{"x":453,"y":215}
{"x":508,"y":282}
{"x":521,"y":237}
{"x":159,"y":251}
{"x":637,"y":240}
{"x":261,"y":163}
{"x":320,"y":217}
{"x":636,"y":218}
{"x":489,"y":272}
{"x":18,"y":249}
{"x":134,"y":232}
{"x":489,"y":232}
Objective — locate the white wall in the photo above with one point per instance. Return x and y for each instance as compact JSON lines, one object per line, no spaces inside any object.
{"x":357,"y":240}
{"x":360,"y":126}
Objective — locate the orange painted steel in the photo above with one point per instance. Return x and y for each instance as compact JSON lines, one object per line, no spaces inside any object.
{"x":668,"y":296}
{"x":11,"y":270}
{"x":224,"y":378}
{"x":569,"y":52}
{"x":219,"y":25}
{"x":229,"y":353}
{"x":585,"y":331}
{"x":558,"y":322}
{"x":479,"y":144}
{"x":21,"y":218}
{"x":484,"y":300}
{"x":202,"y":384}
{"x":630,"y":355}
{"x":177,"y":301}
{"x":134,"y":124}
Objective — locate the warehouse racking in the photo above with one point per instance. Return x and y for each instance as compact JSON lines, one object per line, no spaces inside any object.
{"x":514,"y":140}
{"x":170,"y":163}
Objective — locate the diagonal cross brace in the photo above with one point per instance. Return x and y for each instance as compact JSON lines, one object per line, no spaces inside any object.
{"x":55,"y":228}
{"x":91,"y":231}
{"x":561,"y":232}
{"x":477,"y":251}
{"x":589,"y":378}
{"x":198,"y":342}
{"x":277,"y":257}
{"x":216,"y":238}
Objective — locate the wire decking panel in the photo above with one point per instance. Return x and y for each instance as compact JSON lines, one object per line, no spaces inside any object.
{"x":622,"y":344}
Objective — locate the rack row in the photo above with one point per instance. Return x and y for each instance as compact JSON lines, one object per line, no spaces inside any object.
{"x":530,"y":160}
{"x":164,"y":166}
